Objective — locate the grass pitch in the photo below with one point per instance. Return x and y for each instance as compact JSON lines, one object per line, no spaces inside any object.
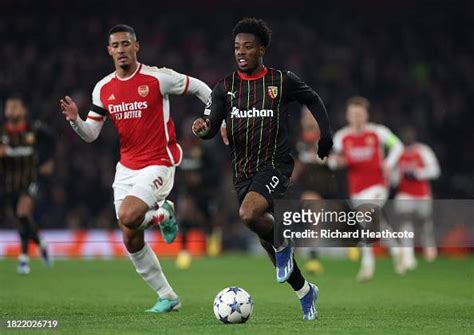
{"x":108,"y":297}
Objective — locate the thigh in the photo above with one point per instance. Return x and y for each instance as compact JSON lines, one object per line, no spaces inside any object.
{"x":153,"y":184}
{"x":122,"y":185}
{"x":270,"y":184}
{"x":25,"y":205}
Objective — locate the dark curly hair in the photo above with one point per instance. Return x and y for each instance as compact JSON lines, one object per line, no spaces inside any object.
{"x":257,"y":27}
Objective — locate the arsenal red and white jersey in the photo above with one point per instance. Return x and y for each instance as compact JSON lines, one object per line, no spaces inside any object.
{"x":420,"y":161}
{"x":140,"y":110}
{"x":364,"y":155}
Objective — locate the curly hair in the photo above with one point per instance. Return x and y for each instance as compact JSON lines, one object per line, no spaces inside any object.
{"x":257,"y":27}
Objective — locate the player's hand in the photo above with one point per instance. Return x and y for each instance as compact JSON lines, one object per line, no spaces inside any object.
{"x":47,"y":168}
{"x":225,"y":139}
{"x":201,"y":127}
{"x":324,"y":146}
{"x":69,"y":109}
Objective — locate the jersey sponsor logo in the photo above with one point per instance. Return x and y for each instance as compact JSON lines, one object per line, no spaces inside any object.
{"x":272,"y":91}
{"x":112,"y":97}
{"x":237,"y":113}
{"x":360,"y":154}
{"x":123,"y":111}
{"x":143,"y":90}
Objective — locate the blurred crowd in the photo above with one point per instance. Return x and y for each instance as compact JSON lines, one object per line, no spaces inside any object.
{"x":414,"y":63}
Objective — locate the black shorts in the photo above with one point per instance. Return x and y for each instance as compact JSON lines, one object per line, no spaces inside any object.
{"x":270,"y":183}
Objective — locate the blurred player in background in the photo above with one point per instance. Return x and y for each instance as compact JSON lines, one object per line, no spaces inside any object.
{"x":253,"y":101}
{"x":26,"y":159}
{"x":197,"y":194}
{"x":417,"y":167}
{"x":311,"y":177}
{"x":136,"y":98}
{"x":360,"y":148}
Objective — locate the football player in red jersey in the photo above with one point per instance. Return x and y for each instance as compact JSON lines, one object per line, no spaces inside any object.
{"x":360,"y":148}
{"x":136,"y":98}
{"x":417,"y":167}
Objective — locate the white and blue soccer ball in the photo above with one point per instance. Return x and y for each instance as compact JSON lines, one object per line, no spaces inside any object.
{"x":233,"y":305}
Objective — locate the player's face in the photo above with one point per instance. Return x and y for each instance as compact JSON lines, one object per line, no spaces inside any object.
{"x":248,"y":52}
{"x":357,"y":115}
{"x":408,"y":136}
{"x":123,"y":48}
{"x":15,"y":110}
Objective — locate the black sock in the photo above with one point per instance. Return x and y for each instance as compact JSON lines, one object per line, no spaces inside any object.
{"x":24,"y":231}
{"x":296,"y":279}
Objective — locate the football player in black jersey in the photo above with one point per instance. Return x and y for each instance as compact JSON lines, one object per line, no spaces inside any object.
{"x":253,"y":103}
{"x":26,"y":152}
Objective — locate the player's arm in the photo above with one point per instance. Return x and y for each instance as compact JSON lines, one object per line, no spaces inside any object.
{"x":46,"y":147}
{"x":174,"y":83}
{"x":391,"y":142}
{"x":336,"y":159}
{"x":214,"y":113}
{"x":430,"y":168}
{"x":299,"y":91}
{"x":89,"y":129}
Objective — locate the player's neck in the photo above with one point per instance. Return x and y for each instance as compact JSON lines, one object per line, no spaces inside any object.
{"x":124,"y":73}
{"x":358,"y":129}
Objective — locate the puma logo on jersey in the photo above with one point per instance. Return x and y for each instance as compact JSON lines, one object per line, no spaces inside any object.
{"x":112,"y":97}
{"x":232,"y":94}
{"x":237,"y":113}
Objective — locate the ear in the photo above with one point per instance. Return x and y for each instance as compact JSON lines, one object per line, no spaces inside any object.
{"x":137,"y":46}
{"x":262,"y":50}
{"x":109,"y":50}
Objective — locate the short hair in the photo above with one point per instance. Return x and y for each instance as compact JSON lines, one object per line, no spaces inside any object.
{"x":257,"y":27}
{"x":123,"y":28}
{"x":358,"y":101}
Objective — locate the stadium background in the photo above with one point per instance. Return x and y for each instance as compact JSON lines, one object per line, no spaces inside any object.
{"x":414,"y":61}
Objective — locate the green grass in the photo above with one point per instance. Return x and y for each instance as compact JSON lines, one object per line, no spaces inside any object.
{"x":108,"y":297}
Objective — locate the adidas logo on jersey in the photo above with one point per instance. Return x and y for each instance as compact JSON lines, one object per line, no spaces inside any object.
{"x":237,"y":113}
{"x":112,"y":97}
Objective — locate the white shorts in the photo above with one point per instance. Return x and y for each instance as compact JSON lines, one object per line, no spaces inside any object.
{"x":151,"y":184}
{"x":377,"y":194}
{"x":408,"y":204}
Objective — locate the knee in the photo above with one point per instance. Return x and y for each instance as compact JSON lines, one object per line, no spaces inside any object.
{"x":128,"y":217}
{"x":249,"y":215}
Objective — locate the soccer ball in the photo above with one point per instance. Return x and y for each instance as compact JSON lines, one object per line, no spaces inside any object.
{"x":233,"y":305}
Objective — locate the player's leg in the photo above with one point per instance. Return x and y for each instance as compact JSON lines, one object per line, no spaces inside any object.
{"x":24,"y":212}
{"x":149,"y":268}
{"x":405,"y":208}
{"x":23,"y":230}
{"x":132,"y":203}
{"x":147,"y":190}
{"x":428,"y":238}
{"x":306,"y":291}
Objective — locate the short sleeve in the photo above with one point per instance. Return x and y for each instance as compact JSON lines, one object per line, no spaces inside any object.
{"x":172,"y":82}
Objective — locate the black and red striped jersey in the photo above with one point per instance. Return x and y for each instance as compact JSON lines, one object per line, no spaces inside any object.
{"x":255,"y":109}
{"x":25,"y":146}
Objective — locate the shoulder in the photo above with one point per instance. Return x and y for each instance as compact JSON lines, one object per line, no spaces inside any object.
{"x":423,"y":148}
{"x":378,"y":128}
{"x":160,"y":72}
{"x":107,"y":79}
{"x":101,"y":83}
